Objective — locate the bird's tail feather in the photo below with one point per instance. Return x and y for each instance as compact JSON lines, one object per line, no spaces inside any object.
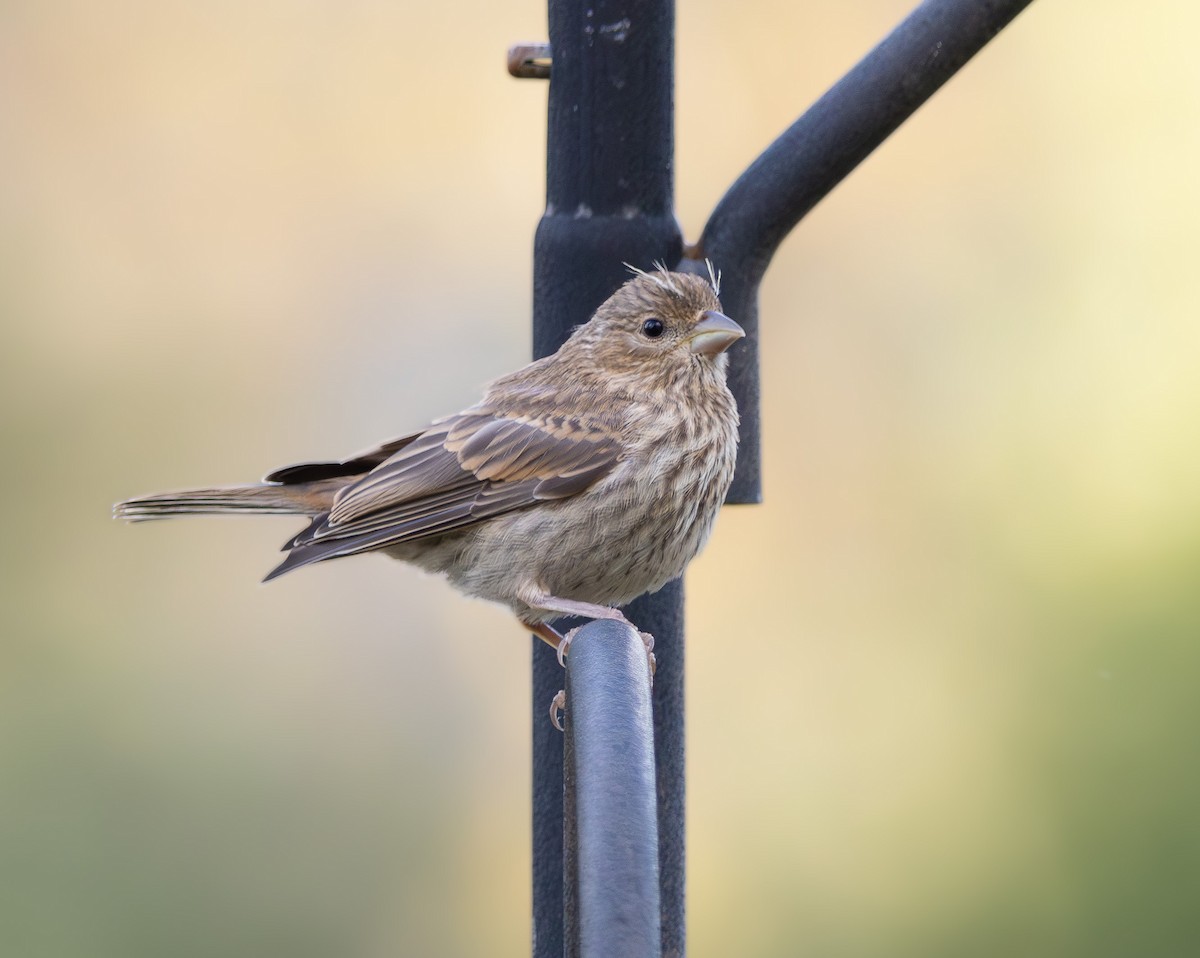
{"x":302,"y":499}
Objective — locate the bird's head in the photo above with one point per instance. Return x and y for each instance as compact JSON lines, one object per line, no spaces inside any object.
{"x":671,"y":320}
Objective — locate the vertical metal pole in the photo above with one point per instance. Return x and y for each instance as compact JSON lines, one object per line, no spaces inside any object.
{"x":609,"y":199}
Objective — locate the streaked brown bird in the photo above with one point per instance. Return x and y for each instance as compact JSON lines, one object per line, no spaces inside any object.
{"x":577,"y":484}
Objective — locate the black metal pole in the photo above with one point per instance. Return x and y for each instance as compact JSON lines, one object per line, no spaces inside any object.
{"x":609,"y":199}
{"x":811,"y":157}
{"x":612,"y":887}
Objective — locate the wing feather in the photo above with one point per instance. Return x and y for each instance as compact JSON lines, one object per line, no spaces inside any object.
{"x":355,"y":465}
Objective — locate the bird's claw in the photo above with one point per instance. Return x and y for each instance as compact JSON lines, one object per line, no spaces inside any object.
{"x":558,"y":706}
{"x":648,"y":641}
{"x":561,"y":650}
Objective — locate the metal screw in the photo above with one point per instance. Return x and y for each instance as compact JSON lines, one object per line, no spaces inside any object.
{"x":529,"y":61}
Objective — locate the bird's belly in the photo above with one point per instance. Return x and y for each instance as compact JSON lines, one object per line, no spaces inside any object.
{"x":607,"y":546}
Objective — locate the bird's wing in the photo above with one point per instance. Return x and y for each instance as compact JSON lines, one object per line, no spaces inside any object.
{"x":461,"y":471}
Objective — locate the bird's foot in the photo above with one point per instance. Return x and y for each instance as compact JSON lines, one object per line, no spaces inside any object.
{"x":558,"y":706}
{"x":646,"y":637}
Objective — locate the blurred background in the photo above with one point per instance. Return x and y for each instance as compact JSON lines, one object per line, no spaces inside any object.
{"x":942,"y":683}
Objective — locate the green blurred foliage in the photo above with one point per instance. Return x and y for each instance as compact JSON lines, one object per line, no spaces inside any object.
{"x":942,"y":684}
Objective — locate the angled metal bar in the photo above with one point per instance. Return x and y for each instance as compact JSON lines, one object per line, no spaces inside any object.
{"x":811,"y":157}
{"x":611,"y":824}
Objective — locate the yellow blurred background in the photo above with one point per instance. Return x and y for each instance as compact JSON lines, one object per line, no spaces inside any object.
{"x":942,"y":683}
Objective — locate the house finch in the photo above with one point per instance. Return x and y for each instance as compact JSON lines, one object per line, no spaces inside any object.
{"x":578,"y":482}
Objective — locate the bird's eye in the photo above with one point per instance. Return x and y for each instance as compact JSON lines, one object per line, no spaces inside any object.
{"x":653,"y":328}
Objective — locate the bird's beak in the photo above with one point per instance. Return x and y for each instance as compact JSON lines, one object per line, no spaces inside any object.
{"x":714,"y":334}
